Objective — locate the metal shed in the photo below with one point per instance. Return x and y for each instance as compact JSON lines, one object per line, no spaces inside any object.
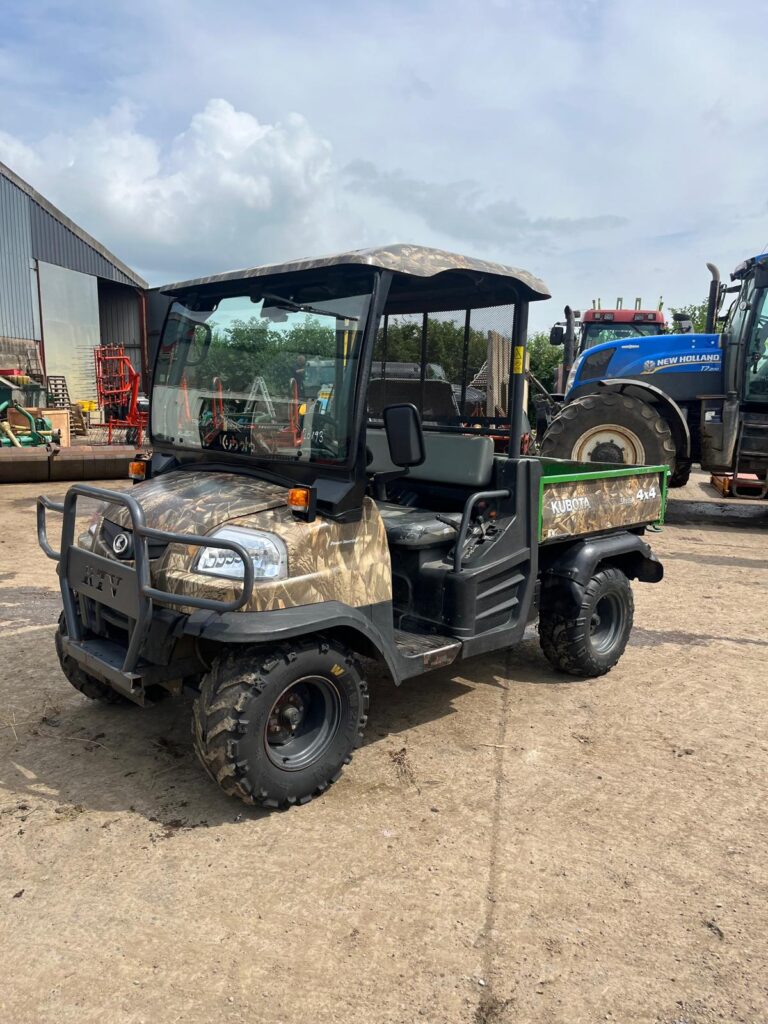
{"x":61,"y":291}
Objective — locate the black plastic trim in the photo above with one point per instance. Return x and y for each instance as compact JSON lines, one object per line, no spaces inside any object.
{"x":575,"y":566}
{"x":370,"y":622}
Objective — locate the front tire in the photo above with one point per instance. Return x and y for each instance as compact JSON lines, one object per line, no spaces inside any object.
{"x":610,"y":427}
{"x":589,"y":638}
{"x":275,"y":727}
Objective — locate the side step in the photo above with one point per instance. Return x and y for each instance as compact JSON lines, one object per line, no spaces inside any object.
{"x":426,"y":650}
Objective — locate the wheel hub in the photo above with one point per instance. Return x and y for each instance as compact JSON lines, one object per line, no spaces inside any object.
{"x":607,"y":451}
{"x":609,"y":442}
{"x":303,"y":722}
{"x":285,"y":718}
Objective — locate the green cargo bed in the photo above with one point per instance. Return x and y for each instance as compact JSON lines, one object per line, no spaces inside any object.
{"x":576,"y":499}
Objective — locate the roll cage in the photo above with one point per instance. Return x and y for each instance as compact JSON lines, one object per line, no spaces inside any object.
{"x":442,"y":307}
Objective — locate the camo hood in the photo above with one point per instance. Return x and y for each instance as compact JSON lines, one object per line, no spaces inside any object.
{"x":198,"y":502}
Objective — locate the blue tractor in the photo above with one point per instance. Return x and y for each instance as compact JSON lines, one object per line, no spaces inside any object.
{"x":677,"y":398}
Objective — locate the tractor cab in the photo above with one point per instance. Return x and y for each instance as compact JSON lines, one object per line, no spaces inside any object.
{"x":734,"y":428}
{"x":601,"y":325}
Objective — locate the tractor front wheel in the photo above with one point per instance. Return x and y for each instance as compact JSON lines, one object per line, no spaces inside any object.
{"x":610,"y":427}
{"x":275,"y":727}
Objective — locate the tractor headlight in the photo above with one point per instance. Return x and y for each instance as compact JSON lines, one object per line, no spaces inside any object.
{"x":267,"y":551}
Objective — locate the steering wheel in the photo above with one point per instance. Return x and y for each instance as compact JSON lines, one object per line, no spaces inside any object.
{"x":230,"y":442}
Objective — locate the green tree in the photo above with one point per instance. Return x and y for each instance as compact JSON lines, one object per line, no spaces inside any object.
{"x":544,"y":358}
{"x":696,"y":311}
{"x":445,"y":345}
{"x":247,"y":349}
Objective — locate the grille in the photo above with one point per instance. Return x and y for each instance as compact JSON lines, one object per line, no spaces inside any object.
{"x":110,"y":532}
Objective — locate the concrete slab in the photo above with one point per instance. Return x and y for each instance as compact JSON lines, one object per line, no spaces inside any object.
{"x":700,"y":503}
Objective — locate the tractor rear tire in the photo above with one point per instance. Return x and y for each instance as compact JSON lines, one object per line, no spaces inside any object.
{"x":91,"y":688}
{"x":587,"y":639}
{"x":275,"y":727}
{"x":610,"y":427}
{"x":681,"y":474}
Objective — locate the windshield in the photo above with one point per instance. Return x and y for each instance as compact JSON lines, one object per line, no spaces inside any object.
{"x":262,"y":374}
{"x":757,"y":351}
{"x":595,"y":334}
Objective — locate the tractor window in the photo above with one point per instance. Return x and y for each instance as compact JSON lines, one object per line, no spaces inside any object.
{"x":596,"y":333}
{"x":757,"y":352}
{"x":271,"y":374}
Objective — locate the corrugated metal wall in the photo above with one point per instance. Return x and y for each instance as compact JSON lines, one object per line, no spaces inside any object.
{"x":17,"y":317}
{"x":53,"y":242}
{"x":32,"y":234}
{"x":120,"y":319}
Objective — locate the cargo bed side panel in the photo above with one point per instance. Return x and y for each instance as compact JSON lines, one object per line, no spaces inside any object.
{"x":588,"y":503}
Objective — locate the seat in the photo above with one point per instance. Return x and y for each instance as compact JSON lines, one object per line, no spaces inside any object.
{"x":454,"y":461}
{"x":417,"y":528}
{"x":451,"y":459}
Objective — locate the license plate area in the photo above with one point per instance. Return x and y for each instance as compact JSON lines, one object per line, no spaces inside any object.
{"x":106,"y":582}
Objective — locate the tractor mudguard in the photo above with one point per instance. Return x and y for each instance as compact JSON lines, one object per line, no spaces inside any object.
{"x":362,"y":629}
{"x":667,"y":406}
{"x":575,"y":566}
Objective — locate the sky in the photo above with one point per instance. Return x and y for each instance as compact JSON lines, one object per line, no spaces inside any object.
{"x":610,"y":147}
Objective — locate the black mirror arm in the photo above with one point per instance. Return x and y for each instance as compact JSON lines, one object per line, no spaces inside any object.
{"x":379,"y":482}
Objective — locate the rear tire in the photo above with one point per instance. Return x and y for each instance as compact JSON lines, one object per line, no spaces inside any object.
{"x":609,"y":427}
{"x":91,"y":688}
{"x":589,"y":638}
{"x":275,"y":727}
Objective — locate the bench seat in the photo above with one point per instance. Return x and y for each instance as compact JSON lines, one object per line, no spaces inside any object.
{"x":417,"y":528}
{"x":458,"y":462}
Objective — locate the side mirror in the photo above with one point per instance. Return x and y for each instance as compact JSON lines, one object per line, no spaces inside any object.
{"x":402,"y":426}
{"x":761,"y":275}
{"x":557,"y":335}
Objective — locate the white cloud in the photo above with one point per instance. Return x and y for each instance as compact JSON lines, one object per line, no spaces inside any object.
{"x":226,"y":192}
{"x":231,"y":191}
{"x":609,"y":147}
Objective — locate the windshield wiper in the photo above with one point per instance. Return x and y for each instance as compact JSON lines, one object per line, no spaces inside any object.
{"x":296,"y":307}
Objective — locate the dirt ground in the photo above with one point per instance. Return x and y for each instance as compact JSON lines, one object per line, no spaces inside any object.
{"x":508,"y":846}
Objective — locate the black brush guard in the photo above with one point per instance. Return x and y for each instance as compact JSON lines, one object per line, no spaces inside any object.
{"x":124,"y":587}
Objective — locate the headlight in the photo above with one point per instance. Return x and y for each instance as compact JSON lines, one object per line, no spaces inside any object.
{"x":267,"y":551}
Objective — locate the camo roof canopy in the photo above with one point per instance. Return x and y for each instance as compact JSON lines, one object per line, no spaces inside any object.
{"x":468,"y":282}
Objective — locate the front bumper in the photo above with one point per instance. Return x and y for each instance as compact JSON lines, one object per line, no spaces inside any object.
{"x":92,"y":585}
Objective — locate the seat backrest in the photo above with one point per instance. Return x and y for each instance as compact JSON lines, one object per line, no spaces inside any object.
{"x":456,"y":459}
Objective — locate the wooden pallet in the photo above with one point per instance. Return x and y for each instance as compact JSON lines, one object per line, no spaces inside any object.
{"x":745,"y":485}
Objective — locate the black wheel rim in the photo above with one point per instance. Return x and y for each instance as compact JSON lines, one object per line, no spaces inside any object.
{"x":606,"y":623}
{"x":303,"y":723}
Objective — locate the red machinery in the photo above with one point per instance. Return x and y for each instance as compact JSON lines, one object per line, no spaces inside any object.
{"x":117,"y":389}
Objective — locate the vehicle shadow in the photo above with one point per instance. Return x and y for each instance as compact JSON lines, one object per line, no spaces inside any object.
{"x":77,"y":755}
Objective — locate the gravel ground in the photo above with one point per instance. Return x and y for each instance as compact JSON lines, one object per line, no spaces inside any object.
{"x":508,"y":846}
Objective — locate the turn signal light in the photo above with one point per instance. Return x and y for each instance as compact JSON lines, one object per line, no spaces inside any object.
{"x":298,"y":499}
{"x":137,"y":470}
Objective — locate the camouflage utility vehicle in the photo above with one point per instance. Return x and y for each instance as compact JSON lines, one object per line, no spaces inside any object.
{"x":293,"y":520}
